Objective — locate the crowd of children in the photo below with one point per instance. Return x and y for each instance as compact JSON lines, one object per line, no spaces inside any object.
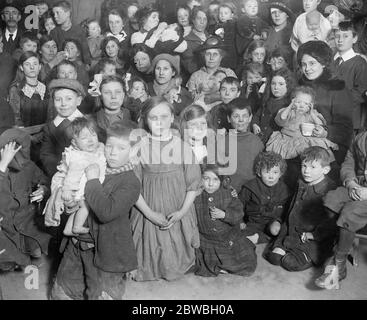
{"x":145,"y":142}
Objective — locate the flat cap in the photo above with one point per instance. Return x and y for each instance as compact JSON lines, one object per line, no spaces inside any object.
{"x":71,"y":84}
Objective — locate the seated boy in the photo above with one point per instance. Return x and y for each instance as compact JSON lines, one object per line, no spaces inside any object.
{"x":350,"y":203}
{"x":265,"y":198}
{"x":70,"y":179}
{"x":228,"y":91}
{"x":67,"y":95}
{"x":95,"y":264}
{"x":244,"y":150}
{"x":307,"y":236}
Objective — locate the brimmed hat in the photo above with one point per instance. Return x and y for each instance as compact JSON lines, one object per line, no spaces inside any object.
{"x":71,"y":84}
{"x":318,"y":50}
{"x":283,"y":6}
{"x":213,"y":42}
{"x":173,"y":60}
{"x":12,"y":3}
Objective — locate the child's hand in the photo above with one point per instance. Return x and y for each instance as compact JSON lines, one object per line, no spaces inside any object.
{"x":217,"y":214}
{"x":256,"y":129}
{"x":92,"y":171}
{"x":234,"y":193}
{"x":362,"y":192}
{"x":306,"y":236}
{"x":174,"y":217}
{"x":158,"y":219}
{"x":275,"y":228}
{"x":7,"y":154}
{"x":264,"y":35}
{"x":257,"y":37}
{"x":39,"y":194}
{"x":67,"y":195}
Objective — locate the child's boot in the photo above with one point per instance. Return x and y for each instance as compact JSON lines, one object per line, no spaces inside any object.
{"x":335,"y":271}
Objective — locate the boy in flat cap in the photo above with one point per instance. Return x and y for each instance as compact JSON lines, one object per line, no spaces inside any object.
{"x":67,"y":95}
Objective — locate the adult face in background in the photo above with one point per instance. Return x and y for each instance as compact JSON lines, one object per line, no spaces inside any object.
{"x":115,"y":23}
{"x":200,"y":21}
{"x":213,"y":58}
{"x":278,"y":17}
{"x":11,"y":16}
{"x":164,"y":72}
{"x":151,"y":21}
{"x":311,"y":68}
{"x":48,"y":51}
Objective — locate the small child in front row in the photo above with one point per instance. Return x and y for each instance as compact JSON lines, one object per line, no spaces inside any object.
{"x":349,"y":203}
{"x":299,"y":121}
{"x":307,"y":236}
{"x":222,"y":249}
{"x":265,"y":198}
{"x":85,"y":150}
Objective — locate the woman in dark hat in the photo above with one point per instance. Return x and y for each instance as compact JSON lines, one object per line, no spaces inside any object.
{"x":282,"y":19}
{"x":213,"y":51}
{"x":333,"y":100}
{"x":167,"y":82}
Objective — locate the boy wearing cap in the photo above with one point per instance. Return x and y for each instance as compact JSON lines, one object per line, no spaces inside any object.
{"x":66,"y":30}
{"x":347,"y":65}
{"x":11,"y":15}
{"x":67,"y":95}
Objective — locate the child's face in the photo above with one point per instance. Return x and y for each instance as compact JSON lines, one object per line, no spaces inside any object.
{"x":109,"y":70}
{"x":163,"y":72}
{"x":252,"y":78}
{"x":251,"y":8}
{"x":228,"y":92}
{"x":225,"y":14}
{"x":197,"y":129}
{"x":49,"y":50}
{"x":94,"y":30}
{"x":210,"y":181}
{"x":86,"y":140}
{"x":193,"y":3}
{"x":29,"y":46}
{"x":115,"y":23}
{"x":31,"y":67}
{"x":61,"y":15}
{"x":213,"y":11}
{"x":66,"y":71}
{"x":117,"y":151}
{"x":72,"y":51}
{"x":313,"y":172}
{"x":159,"y":120}
{"x":170,"y":34}
{"x":183,"y":17}
{"x":303,"y":102}
{"x":278,"y":17}
{"x":270,"y":177}
{"x":277,"y":63}
{"x":142,"y":61}
{"x":113,"y":96}
{"x":49,"y":25}
{"x":131,"y":10}
{"x":310,"y":5}
{"x":240,"y":120}
{"x":311,"y":68}
{"x":278,"y":87}
{"x":112,"y":49}
{"x":258,"y":55}
{"x":152,"y":21}
{"x":313,"y":24}
{"x":138,"y":91}
{"x":66,"y":101}
{"x":345,"y":40}
{"x":42,"y":8}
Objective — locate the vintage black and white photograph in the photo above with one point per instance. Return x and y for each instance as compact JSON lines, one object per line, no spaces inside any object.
{"x":183,"y":150}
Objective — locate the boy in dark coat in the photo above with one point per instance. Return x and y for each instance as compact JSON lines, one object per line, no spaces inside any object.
{"x":307,"y":236}
{"x":94,"y":265}
{"x":350,"y":203}
{"x":55,"y":133}
{"x":264,"y":198}
{"x":22,"y":186}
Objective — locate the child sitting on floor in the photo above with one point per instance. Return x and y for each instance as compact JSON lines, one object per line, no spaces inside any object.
{"x":298,"y":122}
{"x":222,"y":249}
{"x":265,"y":198}
{"x":70,"y":179}
{"x":306,"y":238}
